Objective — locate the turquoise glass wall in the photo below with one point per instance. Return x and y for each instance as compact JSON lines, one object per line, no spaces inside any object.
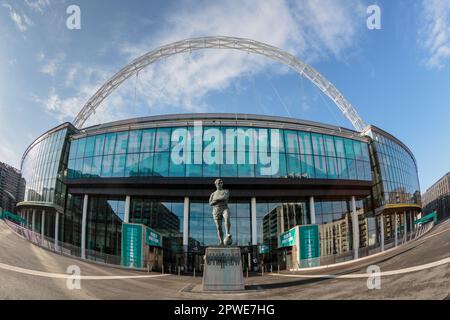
{"x":152,"y":152}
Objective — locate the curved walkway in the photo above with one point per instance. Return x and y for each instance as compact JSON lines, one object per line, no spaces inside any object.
{"x":419,"y":269}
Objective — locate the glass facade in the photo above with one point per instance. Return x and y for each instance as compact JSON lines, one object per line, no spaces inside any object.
{"x":203,"y":232}
{"x":396,"y":179}
{"x":219,"y":152}
{"x":104,"y":224}
{"x":43,"y":169}
{"x":165,"y":217}
{"x":333,"y":218}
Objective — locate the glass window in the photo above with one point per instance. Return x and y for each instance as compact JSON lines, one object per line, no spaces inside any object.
{"x":351,"y":167}
{"x":90,"y":144}
{"x":161,"y":164}
{"x":81,"y":147}
{"x":134,"y":142}
{"x":317,"y":143}
{"x":293,"y":165}
{"x":358,"y":150}
{"x":342,"y":171}
{"x":194,"y":170}
{"x":304,"y":139}
{"x":119,"y":165}
{"x":99,"y":142}
{"x":320,"y":164}
{"x":163,"y":140}
{"x":110,"y":143}
{"x":146,"y":164}
{"x":307,"y":164}
{"x":132,"y":165}
{"x":329,"y":146}
{"x":339,"y":143}
{"x":107,"y":166}
{"x":177,"y":170}
{"x":349,"y":152}
{"x":78,"y":168}
{"x":365,"y":151}
{"x":332,"y":168}
{"x":148,"y":140}
{"x":229,"y":170}
{"x":121,"y":143}
{"x":246,"y":139}
{"x":211,"y":170}
{"x":291,"y":140}
{"x":87,"y":167}
{"x":96,"y":166}
{"x":73,"y":149}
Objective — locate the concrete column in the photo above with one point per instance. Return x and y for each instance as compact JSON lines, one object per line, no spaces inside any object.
{"x":405,"y":228}
{"x":312,"y":210}
{"x":186,"y":222}
{"x":83,"y":227}
{"x":56,"y":229}
{"x":33,"y":220}
{"x":186,"y":229}
{"x":126,"y":218}
{"x":382,"y":231}
{"x":43,"y":226}
{"x":411,"y":224}
{"x":254,"y":227}
{"x":355,"y":224}
{"x":396,"y":228}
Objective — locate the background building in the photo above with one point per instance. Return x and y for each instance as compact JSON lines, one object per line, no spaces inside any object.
{"x":12,"y":187}
{"x":437,"y":198}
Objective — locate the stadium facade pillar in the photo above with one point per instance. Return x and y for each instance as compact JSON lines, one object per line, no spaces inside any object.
{"x":355,"y":225}
{"x":83,"y":227}
{"x":382,"y":231}
{"x":186,"y":229}
{"x":411,"y":224}
{"x":33,"y":220}
{"x":56,"y":230}
{"x":126,"y":217}
{"x":253,"y":215}
{"x":312,"y":210}
{"x":42,"y":226}
{"x":396,"y":228}
{"x":405,"y":226}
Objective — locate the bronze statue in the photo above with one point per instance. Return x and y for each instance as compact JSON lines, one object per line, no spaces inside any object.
{"x":219,"y":203}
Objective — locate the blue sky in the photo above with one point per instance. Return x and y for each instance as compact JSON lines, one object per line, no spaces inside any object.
{"x":398,"y":78}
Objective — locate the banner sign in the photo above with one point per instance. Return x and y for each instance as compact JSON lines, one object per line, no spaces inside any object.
{"x":309,"y":246}
{"x":287,"y":239}
{"x":152,"y":238}
{"x":132,"y":245}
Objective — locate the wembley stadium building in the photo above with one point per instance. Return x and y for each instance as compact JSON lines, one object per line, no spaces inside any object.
{"x":293,"y":184}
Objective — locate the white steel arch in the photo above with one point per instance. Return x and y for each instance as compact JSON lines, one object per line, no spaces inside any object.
{"x":241,"y":44}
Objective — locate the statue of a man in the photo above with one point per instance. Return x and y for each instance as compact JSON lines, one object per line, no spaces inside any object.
{"x":219,"y":203}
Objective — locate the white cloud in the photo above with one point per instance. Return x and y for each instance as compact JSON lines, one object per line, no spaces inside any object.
{"x":435,"y":32}
{"x":50,"y":66}
{"x":309,"y":29}
{"x":22,"y":22}
{"x":37,"y":5}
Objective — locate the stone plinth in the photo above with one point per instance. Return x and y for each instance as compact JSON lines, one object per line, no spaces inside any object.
{"x":223,"y":269}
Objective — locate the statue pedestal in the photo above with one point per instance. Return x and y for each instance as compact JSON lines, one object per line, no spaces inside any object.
{"x":223,"y":269}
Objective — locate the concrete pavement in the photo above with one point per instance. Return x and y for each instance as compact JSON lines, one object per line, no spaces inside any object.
{"x":26,"y":273}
